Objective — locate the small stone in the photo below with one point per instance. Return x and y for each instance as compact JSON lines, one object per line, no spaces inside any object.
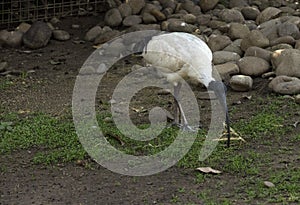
{"x":216,"y":24}
{"x":204,"y":19}
{"x":14,"y":39}
{"x":3,"y":66}
{"x":125,"y":10}
{"x":132,"y":20}
{"x":188,"y":6}
{"x":93,"y":33}
{"x":269,"y":184}
{"x":113,"y":17}
{"x":158,"y":15}
{"x":102,"y":38}
{"x":207,"y":5}
{"x":250,"y":13}
{"x":238,"y":3}
{"x":268,"y":14}
{"x":233,"y":47}
{"x":259,"y":52}
{"x":232,"y":15}
{"x":136,"y":5}
{"x":285,"y":85}
{"x":218,"y":42}
{"x":75,"y":26}
{"x":241,"y":83}
{"x":23,"y":27}
{"x":297,"y":98}
{"x":148,"y":18}
{"x":181,"y":26}
{"x":253,"y":66}
{"x":227,"y":69}
{"x":61,"y":35}
{"x":238,"y":30}
{"x":221,"y":57}
{"x":254,"y":38}
{"x":189,"y":18}
{"x":54,"y":20}
{"x":297,"y":44}
{"x":143,"y":27}
{"x":268,"y":75}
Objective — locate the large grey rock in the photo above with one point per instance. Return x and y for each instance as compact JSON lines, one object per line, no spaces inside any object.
{"x":218,"y":42}
{"x":61,"y":35}
{"x":270,"y":28}
{"x":287,"y":62}
{"x":241,"y":83}
{"x":132,"y":20}
{"x":93,"y":33}
{"x":284,"y":39}
{"x":250,"y":13}
{"x":227,"y":69}
{"x":259,"y":52}
{"x":253,"y":66}
{"x":254,"y":38}
{"x":221,"y":57}
{"x":125,"y":10}
{"x":238,"y":30}
{"x":37,"y":36}
{"x":268,"y":14}
{"x":288,"y":29}
{"x":136,"y":5}
{"x":285,"y":85}
{"x":207,"y":5}
{"x":232,"y":15}
{"x":113,"y":17}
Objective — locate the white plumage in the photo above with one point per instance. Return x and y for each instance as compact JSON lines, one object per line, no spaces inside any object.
{"x":185,"y":55}
{"x":180,"y":53}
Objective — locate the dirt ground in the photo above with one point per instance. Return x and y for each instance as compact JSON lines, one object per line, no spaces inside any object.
{"x":48,"y":88}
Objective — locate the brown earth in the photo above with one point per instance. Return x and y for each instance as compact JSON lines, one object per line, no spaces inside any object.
{"x":48,"y":89}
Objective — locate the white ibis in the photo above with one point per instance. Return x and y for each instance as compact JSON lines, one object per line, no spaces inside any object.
{"x":188,"y":56}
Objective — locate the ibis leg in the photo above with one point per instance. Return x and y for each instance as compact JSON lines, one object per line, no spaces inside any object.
{"x":179,"y":107}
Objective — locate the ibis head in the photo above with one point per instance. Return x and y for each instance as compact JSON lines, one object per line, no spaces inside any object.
{"x":220,"y":91}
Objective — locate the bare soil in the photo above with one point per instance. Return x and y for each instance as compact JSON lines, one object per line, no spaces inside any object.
{"x":47,"y":88}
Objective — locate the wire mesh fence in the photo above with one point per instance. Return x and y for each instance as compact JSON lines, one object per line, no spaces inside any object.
{"x":15,"y":11}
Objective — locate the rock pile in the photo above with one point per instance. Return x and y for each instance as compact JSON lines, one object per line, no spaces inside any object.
{"x":249,"y":38}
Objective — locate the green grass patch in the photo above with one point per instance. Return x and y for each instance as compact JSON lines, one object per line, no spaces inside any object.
{"x":55,"y":140}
